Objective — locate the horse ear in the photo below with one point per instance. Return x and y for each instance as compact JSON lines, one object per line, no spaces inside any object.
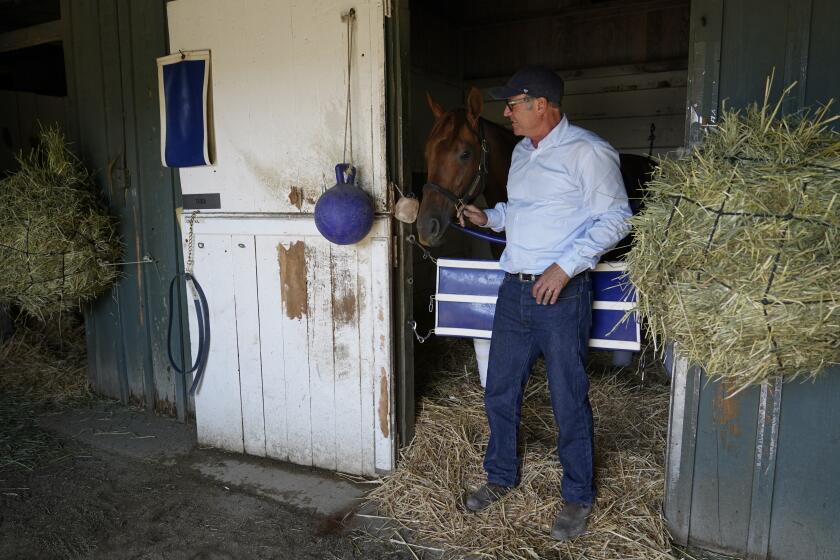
{"x":436,"y":107}
{"x":475,"y":103}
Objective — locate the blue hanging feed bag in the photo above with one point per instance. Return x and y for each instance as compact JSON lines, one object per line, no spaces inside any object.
{"x":344,"y":213}
{"x":183,"y":82}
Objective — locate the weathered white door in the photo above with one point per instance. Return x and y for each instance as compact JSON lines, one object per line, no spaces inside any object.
{"x":301,"y":358}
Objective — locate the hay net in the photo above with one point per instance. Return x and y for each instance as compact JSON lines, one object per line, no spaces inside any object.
{"x":56,"y":238}
{"x":736,"y":252}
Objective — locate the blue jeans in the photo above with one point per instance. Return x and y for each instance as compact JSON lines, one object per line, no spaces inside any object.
{"x":522,"y":330}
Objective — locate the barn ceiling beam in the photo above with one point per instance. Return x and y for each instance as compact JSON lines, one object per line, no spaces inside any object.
{"x":33,"y":36}
{"x":596,"y":72}
{"x":585,"y":12}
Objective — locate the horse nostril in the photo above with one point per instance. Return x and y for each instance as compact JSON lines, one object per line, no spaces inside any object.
{"x":434,"y":227}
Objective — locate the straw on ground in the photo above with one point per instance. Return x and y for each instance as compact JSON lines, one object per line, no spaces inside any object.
{"x":425,"y":495}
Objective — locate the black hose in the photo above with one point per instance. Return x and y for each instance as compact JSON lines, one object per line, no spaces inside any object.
{"x":202,"y":313}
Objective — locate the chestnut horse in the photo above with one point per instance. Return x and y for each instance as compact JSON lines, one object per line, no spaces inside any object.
{"x":467,"y":155}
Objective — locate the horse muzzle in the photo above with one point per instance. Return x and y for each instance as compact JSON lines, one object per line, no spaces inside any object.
{"x":430,"y":230}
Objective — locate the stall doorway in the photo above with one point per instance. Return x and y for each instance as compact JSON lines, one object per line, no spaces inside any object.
{"x":625,"y":64}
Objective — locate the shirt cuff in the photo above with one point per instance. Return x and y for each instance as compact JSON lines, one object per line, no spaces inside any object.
{"x":572,"y":267}
{"x":494,"y":220}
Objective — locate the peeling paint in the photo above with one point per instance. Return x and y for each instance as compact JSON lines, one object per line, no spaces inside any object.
{"x":381,"y":315}
{"x":344,"y":279}
{"x":384,"y":404}
{"x":344,"y":308}
{"x":726,"y":409}
{"x":342,"y":356}
{"x":292,"y":263}
{"x":296,"y":197}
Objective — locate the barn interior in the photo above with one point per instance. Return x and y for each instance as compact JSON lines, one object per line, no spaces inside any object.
{"x":624,"y":63}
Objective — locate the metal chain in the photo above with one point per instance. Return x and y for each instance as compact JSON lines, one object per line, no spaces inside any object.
{"x":426,"y":254}
{"x":420,"y":338}
{"x":190,"y":242}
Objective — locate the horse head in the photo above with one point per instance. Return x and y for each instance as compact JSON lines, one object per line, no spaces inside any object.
{"x":455,"y":154}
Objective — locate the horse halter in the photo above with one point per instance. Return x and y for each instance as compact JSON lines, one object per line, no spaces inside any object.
{"x":476,"y":186}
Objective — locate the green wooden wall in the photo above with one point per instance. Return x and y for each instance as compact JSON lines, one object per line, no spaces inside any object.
{"x":110,"y":52}
{"x":755,"y":475}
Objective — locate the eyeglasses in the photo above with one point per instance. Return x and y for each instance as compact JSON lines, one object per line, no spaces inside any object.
{"x":511,"y":104}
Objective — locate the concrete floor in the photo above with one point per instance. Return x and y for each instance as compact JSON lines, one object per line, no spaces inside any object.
{"x":141,"y":435}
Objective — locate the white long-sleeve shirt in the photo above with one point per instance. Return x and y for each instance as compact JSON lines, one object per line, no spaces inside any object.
{"x":566,"y":202}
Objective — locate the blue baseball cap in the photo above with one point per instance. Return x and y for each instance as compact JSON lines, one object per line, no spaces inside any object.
{"x":534,"y":81}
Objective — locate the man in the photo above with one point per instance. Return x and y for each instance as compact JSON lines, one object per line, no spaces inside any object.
{"x":566,"y":207}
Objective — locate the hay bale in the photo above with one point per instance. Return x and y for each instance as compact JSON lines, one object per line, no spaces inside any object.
{"x":737,"y":253}
{"x":425,"y":495}
{"x":55,"y":235}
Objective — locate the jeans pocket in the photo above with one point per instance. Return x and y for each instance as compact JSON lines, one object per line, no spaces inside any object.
{"x":571,"y":291}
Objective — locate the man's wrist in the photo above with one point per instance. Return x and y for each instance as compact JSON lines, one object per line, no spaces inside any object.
{"x":568,"y":267}
{"x":492,"y":216}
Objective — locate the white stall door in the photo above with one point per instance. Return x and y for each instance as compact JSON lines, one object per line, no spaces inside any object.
{"x":300,"y":353}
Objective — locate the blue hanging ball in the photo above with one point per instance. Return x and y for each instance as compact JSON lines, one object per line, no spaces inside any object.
{"x":344,"y":214}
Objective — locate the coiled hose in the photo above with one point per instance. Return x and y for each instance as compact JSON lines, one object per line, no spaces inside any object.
{"x":202,"y":313}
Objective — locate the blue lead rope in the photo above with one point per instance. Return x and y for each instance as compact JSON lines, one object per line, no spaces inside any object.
{"x":479,"y":234}
{"x":202,"y":313}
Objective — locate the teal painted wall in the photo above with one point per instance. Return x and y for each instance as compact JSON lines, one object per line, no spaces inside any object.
{"x":755,"y":475}
{"x":110,"y":52}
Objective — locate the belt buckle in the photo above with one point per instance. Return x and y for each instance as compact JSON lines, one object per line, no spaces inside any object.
{"x":526,"y":277}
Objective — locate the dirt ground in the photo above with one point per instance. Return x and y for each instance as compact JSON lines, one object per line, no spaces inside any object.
{"x":86,"y":478}
{"x":62,"y":498}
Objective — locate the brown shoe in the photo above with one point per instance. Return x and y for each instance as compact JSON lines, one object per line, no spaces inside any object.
{"x":485,"y":496}
{"x":571,"y":521}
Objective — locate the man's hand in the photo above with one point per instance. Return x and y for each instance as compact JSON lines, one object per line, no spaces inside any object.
{"x":474,"y":214}
{"x":547,"y":289}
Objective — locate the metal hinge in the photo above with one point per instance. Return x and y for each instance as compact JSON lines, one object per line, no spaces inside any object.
{"x":391,"y":197}
{"x":386,"y":5}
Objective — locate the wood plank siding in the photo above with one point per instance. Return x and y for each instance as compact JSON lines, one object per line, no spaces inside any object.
{"x":110,"y":48}
{"x":301,"y":358}
{"x":301,"y":348}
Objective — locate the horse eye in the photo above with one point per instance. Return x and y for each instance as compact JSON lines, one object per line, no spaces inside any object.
{"x":466,"y":155}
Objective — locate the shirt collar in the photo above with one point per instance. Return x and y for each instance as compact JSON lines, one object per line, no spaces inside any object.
{"x":553,"y":137}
